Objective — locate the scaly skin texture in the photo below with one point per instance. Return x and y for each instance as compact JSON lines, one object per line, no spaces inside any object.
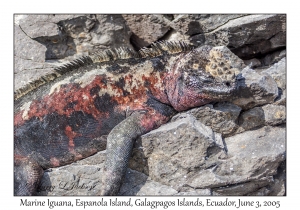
{"x":69,"y":118}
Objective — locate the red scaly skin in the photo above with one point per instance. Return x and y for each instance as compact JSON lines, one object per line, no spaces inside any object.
{"x":83,"y":99}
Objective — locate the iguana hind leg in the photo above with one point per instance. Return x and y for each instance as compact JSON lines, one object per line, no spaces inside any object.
{"x":27,"y":176}
{"x":118,"y":150}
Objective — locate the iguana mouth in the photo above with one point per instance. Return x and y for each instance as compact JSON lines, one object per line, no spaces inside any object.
{"x":221,"y":91}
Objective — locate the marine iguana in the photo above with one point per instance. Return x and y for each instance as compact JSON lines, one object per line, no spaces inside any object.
{"x":63,"y":116}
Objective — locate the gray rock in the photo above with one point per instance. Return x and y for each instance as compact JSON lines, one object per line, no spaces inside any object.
{"x":251,"y":119}
{"x":255,"y":89}
{"x":38,"y":25}
{"x":146,"y":28}
{"x":281,"y":99}
{"x":221,"y":118}
{"x":26,"y":47}
{"x":18,"y":18}
{"x":252,"y":156}
{"x":137,"y":183}
{"x":90,"y":33}
{"x":193,"y":28}
{"x":79,"y":178}
{"x":243,"y":188}
{"x":29,"y":71}
{"x":155,"y":188}
{"x":173,"y":35}
{"x":67,"y":35}
{"x":274,"y":114}
{"x":275,"y":188}
{"x":278,"y":73}
{"x":48,"y":30}
{"x":269,"y":114}
{"x":71,"y":180}
{"x":111,"y":31}
{"x":41,"y":38}
{"x":250,"y":35}
{"x":191,"y":192}
{"x":195,"y":24}
{"x":84,"y":178}
{"x":273,"y":57}
{"x":133,"y":182}
{"x":29,"y":57}
{"x":278,"y":188}
{"x":261,"y":192}
{"x":177,"y":150}
{"x":252,"y":63}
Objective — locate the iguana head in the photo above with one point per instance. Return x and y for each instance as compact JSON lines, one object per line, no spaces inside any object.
{"x":203,"y":75}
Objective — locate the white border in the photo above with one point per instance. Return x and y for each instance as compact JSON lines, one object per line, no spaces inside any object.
{"x":8,"y":8}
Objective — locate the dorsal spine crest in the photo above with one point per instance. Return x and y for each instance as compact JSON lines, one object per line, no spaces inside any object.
{"x":122,"y":53}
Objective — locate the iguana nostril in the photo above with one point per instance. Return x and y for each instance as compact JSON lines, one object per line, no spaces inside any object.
{"x":227,"y":84}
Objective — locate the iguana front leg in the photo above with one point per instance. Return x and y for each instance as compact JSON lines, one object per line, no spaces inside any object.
{"x":118,"y":150}
{"x":121,"y":138}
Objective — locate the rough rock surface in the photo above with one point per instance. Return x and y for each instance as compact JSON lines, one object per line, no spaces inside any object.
{"x":255,"y":89}
{"x":186,"y":148}
{"x":251,"y":119}
{"x":278,"y":73}
{"x":230,"y":148}
{"x":274,"y":114}
{"x":252,"y":63}
{"x":270,"y":114}
{"x":66,"y":35}
{"x":145,"y":29}
{"x":247,"y":35}
{"x":251,"y":35}
{"x":261,"y":152}
{"x":221,"y":117}
{"x":44,"y":41}
{"x":29,"y":59}
{"x":84,"y":178}
{"x":272,"y":58}
{"x":195,"y":24}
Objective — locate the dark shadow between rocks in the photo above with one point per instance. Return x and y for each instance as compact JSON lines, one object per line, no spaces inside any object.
{"x":258,"y":49}
{"x":136,"y":41}
{"x":132,"y":183}
{"x":45,"y":185}
{"x":196,"y":33}
{"x":242,"y":90}
{"x":63,"y":44}
{"x":280,"y":92}
{"x":58,"y":47}
{"x":138,"y":160}
{"x":252,"y":119}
